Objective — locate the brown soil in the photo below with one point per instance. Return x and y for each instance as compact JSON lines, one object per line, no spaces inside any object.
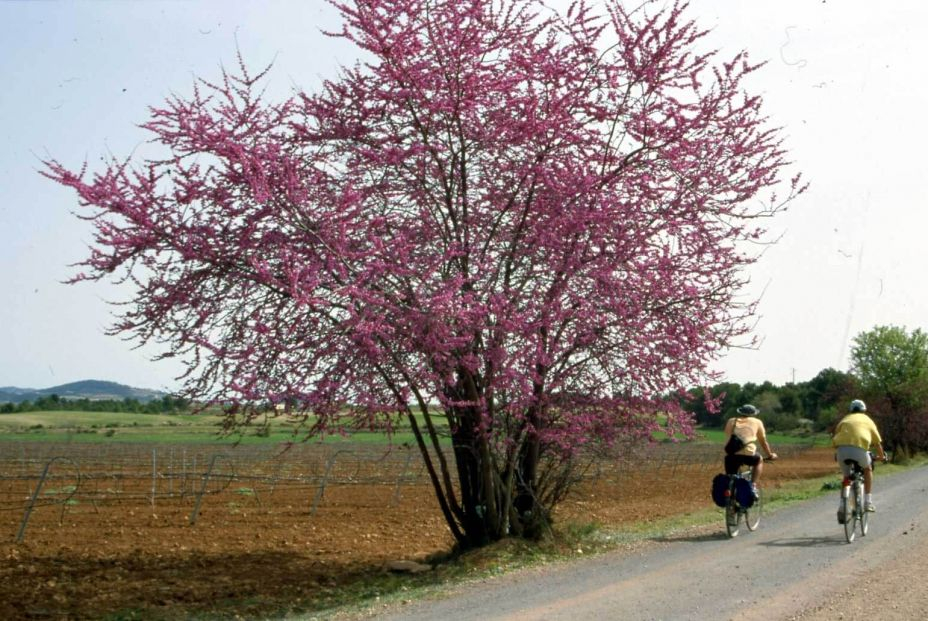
{"x":250,"y":555}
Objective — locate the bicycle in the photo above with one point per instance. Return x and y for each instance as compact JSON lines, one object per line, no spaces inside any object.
{"x":852,"y":493}
{"x":735,"y":506}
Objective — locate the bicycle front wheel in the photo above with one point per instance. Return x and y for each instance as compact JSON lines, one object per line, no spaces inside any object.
{"x":864,"y":516}
{"x":850,"y":517}
{"x":752,"y":514}
{"x":732,"y":519}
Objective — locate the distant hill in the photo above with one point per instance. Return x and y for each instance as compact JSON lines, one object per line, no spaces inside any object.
{"x":94,"y":390}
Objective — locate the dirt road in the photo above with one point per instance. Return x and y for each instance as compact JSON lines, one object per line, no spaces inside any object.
{"x":797,"y":566}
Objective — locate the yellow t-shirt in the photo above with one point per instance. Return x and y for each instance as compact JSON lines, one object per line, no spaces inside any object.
{"x":858,"y":430}
{"x":749,"y":429}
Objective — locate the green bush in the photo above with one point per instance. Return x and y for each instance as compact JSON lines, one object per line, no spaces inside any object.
{"x":827,"y":417}
{"x":780,"y":422}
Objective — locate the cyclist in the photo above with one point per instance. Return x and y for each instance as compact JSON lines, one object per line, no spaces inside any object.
{"x":854,"y":436}
{"x":750,"y":429}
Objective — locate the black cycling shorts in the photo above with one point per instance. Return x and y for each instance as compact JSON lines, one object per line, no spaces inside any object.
{"x":734,"y":462}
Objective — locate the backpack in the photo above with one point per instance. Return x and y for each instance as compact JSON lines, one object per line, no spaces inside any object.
{"x":733,"y":445}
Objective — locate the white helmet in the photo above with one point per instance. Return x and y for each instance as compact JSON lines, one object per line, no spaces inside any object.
{"x":857,"y":406}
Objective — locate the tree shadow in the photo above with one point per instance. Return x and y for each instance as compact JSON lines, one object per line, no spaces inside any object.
{"x":805,"y":542}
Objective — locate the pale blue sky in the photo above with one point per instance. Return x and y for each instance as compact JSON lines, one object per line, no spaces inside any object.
{"x":844,"y":80}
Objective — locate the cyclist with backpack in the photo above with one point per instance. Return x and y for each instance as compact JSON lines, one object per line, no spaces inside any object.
{"x":853,"y":438}
{"x":744,"y":432}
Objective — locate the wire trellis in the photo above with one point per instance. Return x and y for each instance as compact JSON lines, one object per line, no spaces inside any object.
{"x":35,"y":475}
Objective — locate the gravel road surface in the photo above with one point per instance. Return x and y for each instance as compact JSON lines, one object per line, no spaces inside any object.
{"x":797,"y":566}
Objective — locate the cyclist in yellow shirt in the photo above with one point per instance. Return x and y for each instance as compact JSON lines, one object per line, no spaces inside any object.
{"x":752,"y":433}
{"x":854,"y":436}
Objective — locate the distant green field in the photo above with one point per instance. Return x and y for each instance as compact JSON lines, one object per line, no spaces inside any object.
{"x":64,"y":426}
{"x":717,"y":435}
{"x":58,"y":419}
{"x":189,"y":428}
{"x":102,"y":426}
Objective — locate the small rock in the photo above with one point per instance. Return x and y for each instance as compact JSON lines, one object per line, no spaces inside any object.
{"x":407,"y":567}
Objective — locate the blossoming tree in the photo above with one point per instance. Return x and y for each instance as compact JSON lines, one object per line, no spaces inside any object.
{"x":517,"y":228}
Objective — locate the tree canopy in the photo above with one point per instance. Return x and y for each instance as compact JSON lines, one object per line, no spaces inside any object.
{"x":528,"y":223}
{"x":892,"y":364}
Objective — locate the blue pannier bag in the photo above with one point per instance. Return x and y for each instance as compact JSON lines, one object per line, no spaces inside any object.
{"x":719,"y":489}
{"x":744,"y":494}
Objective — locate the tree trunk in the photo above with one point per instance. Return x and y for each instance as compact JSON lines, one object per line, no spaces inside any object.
{"x":475,"y":523}
{"x":531,"y":514}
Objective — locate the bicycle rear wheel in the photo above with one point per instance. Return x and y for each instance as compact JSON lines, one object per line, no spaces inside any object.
{"x":732,"y":518}
{"x":850,"y":517}
{"x":752,"y":514}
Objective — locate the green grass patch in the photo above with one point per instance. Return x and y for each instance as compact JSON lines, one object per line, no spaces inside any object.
{"x":68,"y":489}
